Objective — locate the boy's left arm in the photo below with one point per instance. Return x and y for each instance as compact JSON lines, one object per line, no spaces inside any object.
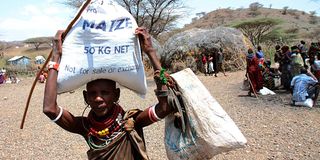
{"x":162,"y":109}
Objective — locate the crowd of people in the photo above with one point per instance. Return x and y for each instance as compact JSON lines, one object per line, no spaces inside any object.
{"x":296,"y":69}
{"x":212,"y":63}
{"x":12,"y":77}
{"x":8,"y":77}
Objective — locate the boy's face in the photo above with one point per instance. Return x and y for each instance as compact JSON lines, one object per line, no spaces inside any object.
{"x":101,"y":95}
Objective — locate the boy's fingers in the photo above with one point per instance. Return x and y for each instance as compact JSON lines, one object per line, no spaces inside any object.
{"x":141,"y":28}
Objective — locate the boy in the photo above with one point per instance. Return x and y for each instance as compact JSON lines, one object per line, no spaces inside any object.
{"x":110,"y":132}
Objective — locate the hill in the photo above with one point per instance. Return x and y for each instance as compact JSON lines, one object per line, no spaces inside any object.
{"x":303,"y":24}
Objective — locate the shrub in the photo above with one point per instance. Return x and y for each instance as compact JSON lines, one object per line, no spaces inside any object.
{"x":285,"y":10}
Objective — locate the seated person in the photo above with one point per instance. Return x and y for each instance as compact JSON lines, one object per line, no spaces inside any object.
{"x":315,"y":67}
{"x":271,"y":76}
{"x":304,"y":86}
{"x":42,"y":78}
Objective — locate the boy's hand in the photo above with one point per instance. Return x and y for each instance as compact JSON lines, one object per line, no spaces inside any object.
{"x":145,"y":40}
{"x":57,"y":46}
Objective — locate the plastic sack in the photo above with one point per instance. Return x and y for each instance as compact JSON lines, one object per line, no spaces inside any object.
{"x":307,"y":103}
{"x":277,"y":81}
{"x":209,"y":130}
{"x":102,"y":45}
{"x":266,"y":91}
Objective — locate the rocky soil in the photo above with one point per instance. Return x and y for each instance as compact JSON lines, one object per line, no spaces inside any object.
{"x":273,"y":128}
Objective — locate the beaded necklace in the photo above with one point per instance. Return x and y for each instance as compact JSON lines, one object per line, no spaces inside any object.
{"x":105,"y":131}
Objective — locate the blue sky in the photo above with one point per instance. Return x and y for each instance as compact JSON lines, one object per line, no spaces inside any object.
{"x":22,"y":19}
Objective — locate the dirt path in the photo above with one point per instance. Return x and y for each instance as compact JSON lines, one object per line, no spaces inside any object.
{"x":274,"y":129}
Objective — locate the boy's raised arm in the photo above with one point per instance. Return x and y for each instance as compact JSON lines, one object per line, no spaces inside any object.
{"x":162,"y":109}
{"x":50,"y":107}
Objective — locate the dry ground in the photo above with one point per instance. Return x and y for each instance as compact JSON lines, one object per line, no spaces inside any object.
{"x":274,"y":129}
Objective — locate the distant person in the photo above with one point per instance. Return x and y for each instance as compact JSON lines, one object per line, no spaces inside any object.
{"x":13,"y":78}
{"x":260,"y":53}
{"x":215,"y":61}
{"x":285,"y":67}
{"x":42,"y":78}
{"x":260,"y":56}
{"x":271,"y":76}
{"x":315,"y":67}
{"x":210,"y":65}
{"x":204,"y":63}
{"x":304,"y":86}
{"x":312,"y":51}
{"x":295,"y":65}
{"x":2,"y":78}
{"x":277,"y":55}
{"x":220,"y":59}
{"x":254,"y":73}
{"x":303,"y":51}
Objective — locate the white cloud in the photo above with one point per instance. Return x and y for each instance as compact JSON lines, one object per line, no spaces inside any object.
{"x":36,"y":26}
{"x":50,"y":1}
{"x":52,"y":10}
{"x":36,"y":21}
{"x":39,"y":21}
{"x":30,"y":10}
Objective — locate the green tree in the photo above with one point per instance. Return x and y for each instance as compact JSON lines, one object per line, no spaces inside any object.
{"x":280,"y":36}
{"x":255,"y":6}
{"x":285,"y":10}
{"x":156,"y":15}
{"x":255,"y":29}
{"x":313,"y":17}
{"x":254,"y":9}
{"x":39,"y":41}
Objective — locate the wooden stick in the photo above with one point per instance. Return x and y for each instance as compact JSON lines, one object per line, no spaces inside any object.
{"x":251,"y":86}
{"x":83,"y":7}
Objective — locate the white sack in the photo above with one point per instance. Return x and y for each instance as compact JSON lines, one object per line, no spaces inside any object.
{"x":307,"y":103}
{"x":102,"y":44}
{"x":277,"y":81}
{"x":209,"y":129}
{"x":266,"y":91}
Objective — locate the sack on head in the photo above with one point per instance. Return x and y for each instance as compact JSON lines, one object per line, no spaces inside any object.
{"x":102,"y":45}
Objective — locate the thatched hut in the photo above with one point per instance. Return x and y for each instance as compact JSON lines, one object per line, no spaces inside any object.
{"x":186,"y":47}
